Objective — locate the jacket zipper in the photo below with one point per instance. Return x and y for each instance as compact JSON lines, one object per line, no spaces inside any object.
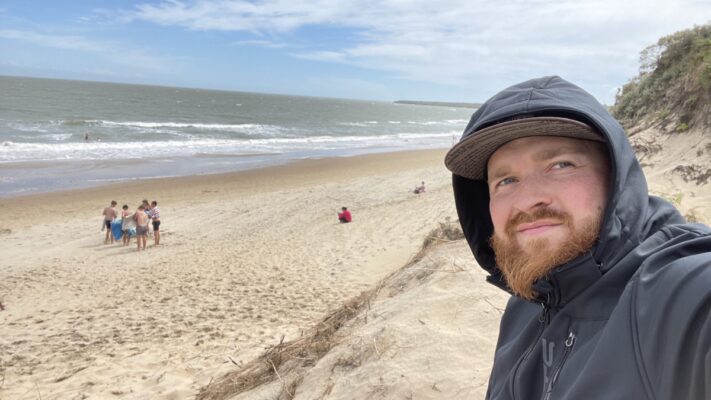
{"x":569,"y":342}
{"x":543,"y":321}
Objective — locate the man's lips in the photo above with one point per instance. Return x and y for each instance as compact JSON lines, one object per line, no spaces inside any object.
{"x":537,"y":226}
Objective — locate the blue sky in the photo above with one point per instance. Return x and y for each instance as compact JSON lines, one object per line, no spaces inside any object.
{"x":459,"y":50}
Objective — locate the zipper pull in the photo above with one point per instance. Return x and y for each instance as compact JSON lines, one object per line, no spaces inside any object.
{"x":570,"y":341}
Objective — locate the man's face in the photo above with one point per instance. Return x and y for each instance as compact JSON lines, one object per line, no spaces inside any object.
{"x":547,"y":196}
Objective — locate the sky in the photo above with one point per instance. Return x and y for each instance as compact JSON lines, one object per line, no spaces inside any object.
{"x":455,"y":50}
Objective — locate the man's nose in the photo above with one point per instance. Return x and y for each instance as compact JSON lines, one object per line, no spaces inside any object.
{"x":532,"y":193}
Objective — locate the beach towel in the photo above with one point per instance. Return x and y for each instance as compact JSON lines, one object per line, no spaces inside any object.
{"x":116,"y":229}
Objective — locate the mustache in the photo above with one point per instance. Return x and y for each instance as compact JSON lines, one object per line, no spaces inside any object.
{"x":539,"y":213}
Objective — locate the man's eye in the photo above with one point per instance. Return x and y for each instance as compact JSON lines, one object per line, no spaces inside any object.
{"x":505,"y":181}
{"x":562,"y":164}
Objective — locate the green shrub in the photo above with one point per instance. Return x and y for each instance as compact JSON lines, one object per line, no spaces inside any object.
{"x":674,"y":79}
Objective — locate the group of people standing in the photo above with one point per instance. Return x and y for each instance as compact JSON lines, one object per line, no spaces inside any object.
{"x":132,"y":223}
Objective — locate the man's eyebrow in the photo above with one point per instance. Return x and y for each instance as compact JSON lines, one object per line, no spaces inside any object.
{"x":498,"y":173}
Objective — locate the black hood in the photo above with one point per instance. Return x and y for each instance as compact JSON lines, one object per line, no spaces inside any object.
{"x":630,"y":214}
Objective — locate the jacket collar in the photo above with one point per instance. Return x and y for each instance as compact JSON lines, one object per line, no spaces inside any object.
{"x":563,"y":284}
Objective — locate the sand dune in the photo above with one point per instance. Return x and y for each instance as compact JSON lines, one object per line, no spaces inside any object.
{"x":426,"y":331}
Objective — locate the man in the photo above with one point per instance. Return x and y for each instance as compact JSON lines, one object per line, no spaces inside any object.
{"x":141,"y":219}
{"x":154,"y":215}
{"x":109,"y":214}
{"x":611,"y":288}
{"x":127,"y":224}
{"x":420,"y":189}
{"x":344,"y":216}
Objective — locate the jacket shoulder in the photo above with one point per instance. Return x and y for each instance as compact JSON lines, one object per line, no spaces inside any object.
{"x":671,"y":314}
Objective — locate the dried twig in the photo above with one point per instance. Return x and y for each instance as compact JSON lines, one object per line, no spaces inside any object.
{"x":282,"y":381}
{"x":38,"y":391}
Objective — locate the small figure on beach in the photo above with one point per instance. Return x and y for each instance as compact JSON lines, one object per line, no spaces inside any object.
{"x":154,"y":215}
{"x":86,"y":137}
{"x":344,"y":216}
{"x":141,"y":219}
{"x":605,"y":279}
{"x":147,"y":206}
{"x":109,"y":214}
{"x":419,"y":189}
{"x":127,"y":225}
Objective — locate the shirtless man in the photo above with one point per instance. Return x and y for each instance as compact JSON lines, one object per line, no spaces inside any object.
{"x":141,"y":226}
{"x":109,"y":215}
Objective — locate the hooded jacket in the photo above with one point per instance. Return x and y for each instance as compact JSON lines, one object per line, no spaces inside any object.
{"x":631,"y":318}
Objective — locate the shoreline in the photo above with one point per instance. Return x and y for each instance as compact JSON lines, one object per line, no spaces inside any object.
{"x":61,"y":176}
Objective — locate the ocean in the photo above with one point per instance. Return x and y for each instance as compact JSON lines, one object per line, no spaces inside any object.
{"x":58,"y":134}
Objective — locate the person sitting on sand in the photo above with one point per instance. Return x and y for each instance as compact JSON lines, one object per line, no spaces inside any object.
{"x":141,"y":219}
{"x":344,"y":216}
{"x":109,"y":215}
{"x":126,"y":224}
{"x":419,"y":189}
{"x":154,"y":215}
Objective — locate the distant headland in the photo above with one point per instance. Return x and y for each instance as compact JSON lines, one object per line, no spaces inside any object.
{"x":439,"y":103}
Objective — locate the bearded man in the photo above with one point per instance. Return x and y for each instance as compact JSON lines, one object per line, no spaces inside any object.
{"x":611,"y":288}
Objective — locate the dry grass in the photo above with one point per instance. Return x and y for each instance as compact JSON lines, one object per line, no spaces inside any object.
{"x":693,"y":173}
{"x":288,"y":362}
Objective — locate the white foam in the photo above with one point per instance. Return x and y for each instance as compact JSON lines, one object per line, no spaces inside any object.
{"x":28,"y":127}
{"x":219,"y":127}
{"x":20,"y":152}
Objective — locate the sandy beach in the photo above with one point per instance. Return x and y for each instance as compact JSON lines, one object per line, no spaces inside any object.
{"x":246,"y":260}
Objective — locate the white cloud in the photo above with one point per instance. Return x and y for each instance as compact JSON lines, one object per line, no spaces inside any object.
{"x":66,"y":42}
{"x":260,"y":43}
{"x":459,"y":41}
{"x":116,"y":53}
{"x":331,"y":56}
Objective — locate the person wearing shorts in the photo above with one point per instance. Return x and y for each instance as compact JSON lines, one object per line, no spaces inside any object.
{"x":126,"y":224}
{"x":141,"y":219}
{"x":109,"y":215}
{"x":154,"y":214}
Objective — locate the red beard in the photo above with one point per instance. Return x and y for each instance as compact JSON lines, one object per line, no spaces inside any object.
{"x":522,"y":266}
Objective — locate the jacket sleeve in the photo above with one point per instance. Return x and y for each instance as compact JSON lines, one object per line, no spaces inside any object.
{"x":672,"y":320}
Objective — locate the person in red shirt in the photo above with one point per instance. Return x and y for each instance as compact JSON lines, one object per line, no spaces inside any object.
{"x":344,"y":216}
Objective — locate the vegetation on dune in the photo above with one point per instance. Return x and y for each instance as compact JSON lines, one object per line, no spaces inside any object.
{"x":673,"y":88}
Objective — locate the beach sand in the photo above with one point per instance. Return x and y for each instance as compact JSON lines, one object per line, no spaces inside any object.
{"x":246,"y":260}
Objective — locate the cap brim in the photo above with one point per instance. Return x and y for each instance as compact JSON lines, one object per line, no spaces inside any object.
{"x":469,"y":157}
